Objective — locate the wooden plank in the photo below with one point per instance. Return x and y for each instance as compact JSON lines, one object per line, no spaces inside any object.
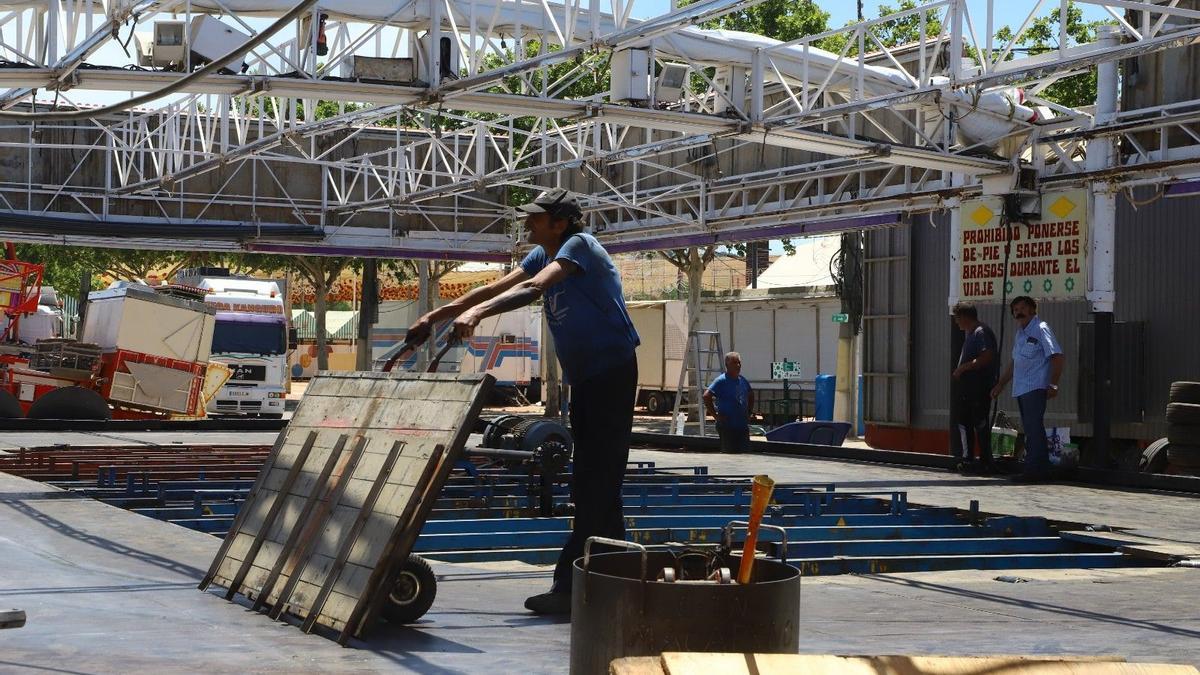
{"x":327,"y":527}
{"x":272,"y":514}
{"x":694,"y":663}
{"x":366,"y":606}
{"x":241,"y":516}
{"x":288,"y":546}
{"x":401,"y":542}
{"x":310,"y":526}
{"x":368,"y":506}
{"x":637,"y":665}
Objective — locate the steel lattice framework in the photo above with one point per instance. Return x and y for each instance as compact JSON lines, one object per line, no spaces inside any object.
{"x":772,"y":139}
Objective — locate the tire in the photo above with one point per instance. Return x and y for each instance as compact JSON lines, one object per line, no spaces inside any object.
{"x":70,"y":403}
{"x":1185,"y":414}
{"x":1154,"y":457}
{"x":1184,"y":457}
{"x":10,"y":407}
{"x":1183,"y":434}
{"x":411,"y":591}
{"x":656,"y":403}
{"x":1185,"y":392}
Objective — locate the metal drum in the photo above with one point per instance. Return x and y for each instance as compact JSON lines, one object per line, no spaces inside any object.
{"x":618,"y":608}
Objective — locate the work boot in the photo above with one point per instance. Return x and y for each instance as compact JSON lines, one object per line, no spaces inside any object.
{"x":552,"y":603}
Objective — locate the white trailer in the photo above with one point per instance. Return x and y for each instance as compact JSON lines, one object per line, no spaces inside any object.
{"x":782,"y":324}
{"x":792,"y":324}
{"x":662,"y":326}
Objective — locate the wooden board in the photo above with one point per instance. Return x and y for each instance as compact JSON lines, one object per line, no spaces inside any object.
{"x":344,"y":493}
{"x":693,"y":663}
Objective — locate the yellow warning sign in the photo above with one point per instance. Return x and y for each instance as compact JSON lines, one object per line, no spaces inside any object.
{"x":1045,"y":258}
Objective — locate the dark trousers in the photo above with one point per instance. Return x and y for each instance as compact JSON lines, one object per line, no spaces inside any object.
{"x":1033,"y":423}
{"x":733,"y":439}
{"x":972,"y":427}
{"x":601,"y":423}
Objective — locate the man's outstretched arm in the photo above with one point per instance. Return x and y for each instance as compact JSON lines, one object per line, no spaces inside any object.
{"x":420,"y":331}
{"x":516,"y":297}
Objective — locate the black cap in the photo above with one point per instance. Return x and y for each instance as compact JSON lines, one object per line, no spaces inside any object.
{"x":557,"y":202}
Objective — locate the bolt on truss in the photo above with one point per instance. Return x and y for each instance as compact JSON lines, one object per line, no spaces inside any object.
{"x":721,"y":136}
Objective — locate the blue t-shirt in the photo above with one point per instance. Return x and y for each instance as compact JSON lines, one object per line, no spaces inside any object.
{"x":731,"y":398}
{"x":1032,"y":348}
{"x":978,"y":341}
{"x":586,"y":311}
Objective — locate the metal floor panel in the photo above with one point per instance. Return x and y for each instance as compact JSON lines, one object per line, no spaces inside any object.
{"x":491,"y":514}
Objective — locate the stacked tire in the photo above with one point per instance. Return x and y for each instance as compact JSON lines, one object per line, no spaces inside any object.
{"x":1183,"y":428}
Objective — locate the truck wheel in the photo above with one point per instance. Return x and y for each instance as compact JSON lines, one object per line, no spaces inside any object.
{"x":411,"y":591}
{"x":655,"y":403}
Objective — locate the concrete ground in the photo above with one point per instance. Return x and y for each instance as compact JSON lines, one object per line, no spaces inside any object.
{"x":108,"y":591}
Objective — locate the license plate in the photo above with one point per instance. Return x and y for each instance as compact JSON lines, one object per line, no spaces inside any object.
{"x":239,"y":394}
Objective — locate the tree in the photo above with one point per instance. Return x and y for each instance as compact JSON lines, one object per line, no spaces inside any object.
{"x":1041,"y":36}
{"x":321,"y":273}
{"x":63,"y":266}
{"x":784,"y":20}
{"x":905,"y":30}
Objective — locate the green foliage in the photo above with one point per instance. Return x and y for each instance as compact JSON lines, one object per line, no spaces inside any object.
{"x":1042,"y":36}
{"x":783,"y":20}
{"x":891,"y":33}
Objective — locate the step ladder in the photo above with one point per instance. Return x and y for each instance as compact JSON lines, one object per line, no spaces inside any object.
{"x":704,"y":360}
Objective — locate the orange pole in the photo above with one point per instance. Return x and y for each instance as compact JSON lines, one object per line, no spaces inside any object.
{"x":759,"y":498}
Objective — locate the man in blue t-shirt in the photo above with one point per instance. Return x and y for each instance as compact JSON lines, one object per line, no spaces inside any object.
{"x":595,"y":341}
{"x":729,"y":400}
{"x":975,"y":375}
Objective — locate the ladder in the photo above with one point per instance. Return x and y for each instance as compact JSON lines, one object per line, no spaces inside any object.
{"x":704,"y":360}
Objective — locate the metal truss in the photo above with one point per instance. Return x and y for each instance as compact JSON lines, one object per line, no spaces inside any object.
{"x":827,"y":132}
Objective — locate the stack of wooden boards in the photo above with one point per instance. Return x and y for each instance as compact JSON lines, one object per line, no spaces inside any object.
{"x":694,"y":663}
{"x":344,"y":494}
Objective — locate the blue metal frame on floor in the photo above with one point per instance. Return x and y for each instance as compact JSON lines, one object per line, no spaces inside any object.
{"x":488,"y":513}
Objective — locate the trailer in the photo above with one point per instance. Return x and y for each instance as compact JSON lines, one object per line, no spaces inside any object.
{"x":662,"y":326}
{"x":142,"y":353}
{"x":792,"y":324}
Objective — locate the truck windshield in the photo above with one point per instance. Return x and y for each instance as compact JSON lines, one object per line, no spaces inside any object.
{"x":246,"y":337}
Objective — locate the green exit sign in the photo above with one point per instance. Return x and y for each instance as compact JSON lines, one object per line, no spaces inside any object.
{"x":841,"y":318}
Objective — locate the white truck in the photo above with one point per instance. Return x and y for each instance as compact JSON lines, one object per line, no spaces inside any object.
{"x":662,"y":326}
{"x":251,"y":337}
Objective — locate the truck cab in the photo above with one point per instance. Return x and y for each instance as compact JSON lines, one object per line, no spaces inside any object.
{"x":251,"y":338}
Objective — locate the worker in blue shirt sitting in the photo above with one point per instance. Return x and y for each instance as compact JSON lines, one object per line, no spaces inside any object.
{"x":729,"y":400}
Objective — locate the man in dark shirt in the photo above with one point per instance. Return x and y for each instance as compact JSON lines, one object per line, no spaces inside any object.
{"x":595,"y":341}
{"x":976,"y":374}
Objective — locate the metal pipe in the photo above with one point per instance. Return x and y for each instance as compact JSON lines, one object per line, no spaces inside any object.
{"x":1102,"y":293}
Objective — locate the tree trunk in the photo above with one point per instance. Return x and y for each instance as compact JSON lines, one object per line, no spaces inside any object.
{"x":695,"y":282}
{"x":319,"y":306}
{"x":424,"y":306}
